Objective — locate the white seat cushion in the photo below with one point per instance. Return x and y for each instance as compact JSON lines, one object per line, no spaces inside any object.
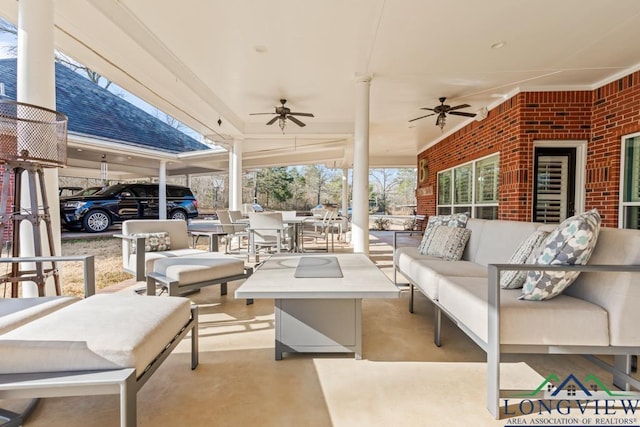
{"x":199,"y":268}
{"x":97,"y":333}
{"x":559,"y":321}
{"x":15,"y":312}
{"x":428,"y":273}
{"x":151,"y":257}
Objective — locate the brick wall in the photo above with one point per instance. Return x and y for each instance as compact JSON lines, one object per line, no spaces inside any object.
{"x":600,"y":117}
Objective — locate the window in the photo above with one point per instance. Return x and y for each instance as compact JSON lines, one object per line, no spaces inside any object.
{"x":630,"y":194}
{"x":474,"y":187}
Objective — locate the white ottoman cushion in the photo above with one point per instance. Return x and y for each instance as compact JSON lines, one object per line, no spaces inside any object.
{"x":199,"y":268}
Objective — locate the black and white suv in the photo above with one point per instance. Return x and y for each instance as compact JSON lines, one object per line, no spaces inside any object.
{"x":117,"y":203}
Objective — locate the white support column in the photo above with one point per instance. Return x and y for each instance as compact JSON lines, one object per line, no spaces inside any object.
{"x":189,"y":176}
{"x":360,"y":215}
{"x":162,"y":190}
{"x":36,"y":85}
{"x":235,"y":175}
{"x":345,"y":202}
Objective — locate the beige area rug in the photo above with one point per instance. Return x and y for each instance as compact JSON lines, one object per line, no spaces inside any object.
{"x":403,"y":379}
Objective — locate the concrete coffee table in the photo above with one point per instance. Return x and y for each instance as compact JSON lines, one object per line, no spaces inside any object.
{"x":318,"y":314}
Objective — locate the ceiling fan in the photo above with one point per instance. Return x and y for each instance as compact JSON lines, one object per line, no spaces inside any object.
{"x":442,"y":110}
{"x":282,"y":114}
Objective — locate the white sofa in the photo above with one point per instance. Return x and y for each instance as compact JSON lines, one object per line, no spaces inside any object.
{"x":606,"y":297}
{"x":102,"y":344}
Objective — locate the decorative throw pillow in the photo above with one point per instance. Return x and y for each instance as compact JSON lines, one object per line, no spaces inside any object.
{"x":515,"y":279}
{"x":153,"y":242}
{"x":570,"y":244}
{"x":455,"y":220}
{"x":447,"y":242}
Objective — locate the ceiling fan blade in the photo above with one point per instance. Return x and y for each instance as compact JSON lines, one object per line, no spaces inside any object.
{"x":421,"y":117}
{"x":461,"y":113}
{"x":296,"y":121}
{"x":427,"y":108}
{"x":301,"y":114}
{"x":457,"y":107}
{"x":272,"y":121}
{"x":258,"y":114}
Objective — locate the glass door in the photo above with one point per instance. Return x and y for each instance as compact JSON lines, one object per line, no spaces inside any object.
{"x":554,"y":191}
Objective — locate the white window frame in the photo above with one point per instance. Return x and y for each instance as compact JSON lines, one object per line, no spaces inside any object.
{"x":473,"y":204}
{"x":623,"y":164}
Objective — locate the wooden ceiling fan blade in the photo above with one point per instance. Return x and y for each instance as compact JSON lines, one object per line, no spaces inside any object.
{"x":427,"y":108}
{"x":258,"y":114}
{"x":457,"y":107}
{"x":461,"y":113}
{"x":421,"y":117}
{"x":296,"y":121}
{"x":301,"y":114}
{"x":272,"y":121}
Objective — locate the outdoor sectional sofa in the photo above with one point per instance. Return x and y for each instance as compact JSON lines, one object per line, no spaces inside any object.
{"x":102,"y":344}
{"x":596,"y":315}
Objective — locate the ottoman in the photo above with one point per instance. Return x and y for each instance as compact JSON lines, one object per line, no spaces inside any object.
{"x":183,"y":274}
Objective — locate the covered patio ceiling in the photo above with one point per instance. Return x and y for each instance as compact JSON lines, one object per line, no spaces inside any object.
{"x":205,"y":60}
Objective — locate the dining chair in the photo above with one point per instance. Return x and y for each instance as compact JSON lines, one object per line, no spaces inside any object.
{"x":322,"y":229}
{"x":233,"y":229}
{"x":268,"y":231}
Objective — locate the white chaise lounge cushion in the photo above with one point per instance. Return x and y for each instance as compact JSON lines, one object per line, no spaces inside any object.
{"x":98,"y":333}
{"x":15,"y":312}
{"x":559,"y":321}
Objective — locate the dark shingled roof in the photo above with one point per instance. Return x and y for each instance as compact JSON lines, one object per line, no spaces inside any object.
{"x":96,"y":112}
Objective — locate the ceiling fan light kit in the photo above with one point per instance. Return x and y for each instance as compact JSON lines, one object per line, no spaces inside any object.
{"x":283,"y":113}
{"x":442,"y":110}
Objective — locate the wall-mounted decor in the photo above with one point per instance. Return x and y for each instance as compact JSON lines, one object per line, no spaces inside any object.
{"x":423,"y":170}
{"x":424,"y":191}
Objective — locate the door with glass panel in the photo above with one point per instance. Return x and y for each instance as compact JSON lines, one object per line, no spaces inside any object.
{"x":631,"y":183}
{"x":554,"y":189}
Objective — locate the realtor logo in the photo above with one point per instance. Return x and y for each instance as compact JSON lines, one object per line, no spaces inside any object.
{"x":571,"y":388}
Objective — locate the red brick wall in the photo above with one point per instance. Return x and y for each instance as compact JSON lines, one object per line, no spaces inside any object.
{"x":616,"y":112}
{"x":600,"y":117}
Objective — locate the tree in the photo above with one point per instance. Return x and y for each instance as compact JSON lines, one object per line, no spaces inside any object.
{"x":317,"y":177}
{"x":274,"y":182}
{"x":384,"y":181}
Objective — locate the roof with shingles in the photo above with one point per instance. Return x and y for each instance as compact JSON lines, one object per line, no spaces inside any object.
{"x":95,"y":112}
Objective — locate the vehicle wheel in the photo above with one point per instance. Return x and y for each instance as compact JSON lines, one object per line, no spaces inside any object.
{"x":96,"y":221}
{"x":178,"y":214}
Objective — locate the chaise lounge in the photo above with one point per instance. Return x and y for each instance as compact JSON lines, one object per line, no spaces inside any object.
{"x":102,"y":344}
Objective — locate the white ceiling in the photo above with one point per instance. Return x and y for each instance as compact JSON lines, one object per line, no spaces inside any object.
{"x":201,"y":60}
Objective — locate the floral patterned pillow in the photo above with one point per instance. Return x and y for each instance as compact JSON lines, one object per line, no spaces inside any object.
{"x":153,"y":242}
{"x":570,"y":244}
{"x":456,"y":220}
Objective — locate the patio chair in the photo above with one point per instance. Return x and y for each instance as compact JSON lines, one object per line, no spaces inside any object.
{"x":321,"y":229}
{"x":228,"y":221}
{"x":268,"y":231}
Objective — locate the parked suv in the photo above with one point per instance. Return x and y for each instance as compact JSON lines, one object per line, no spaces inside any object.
{"x":117,"y":203}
